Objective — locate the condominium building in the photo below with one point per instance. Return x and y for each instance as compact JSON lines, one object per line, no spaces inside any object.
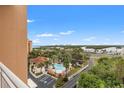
{"x":29,"y":46}
{"x":13,"y":46}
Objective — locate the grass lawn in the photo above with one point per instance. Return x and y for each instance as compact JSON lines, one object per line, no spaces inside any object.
{"x":74,"y":70}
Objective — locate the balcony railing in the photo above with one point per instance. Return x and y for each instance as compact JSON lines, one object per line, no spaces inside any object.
{"x":8,"y":79}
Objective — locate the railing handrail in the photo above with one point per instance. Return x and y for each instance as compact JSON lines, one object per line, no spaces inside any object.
{"x":18,"y":82}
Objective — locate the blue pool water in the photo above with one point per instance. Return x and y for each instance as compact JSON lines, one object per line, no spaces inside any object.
{"x":59,"y":68}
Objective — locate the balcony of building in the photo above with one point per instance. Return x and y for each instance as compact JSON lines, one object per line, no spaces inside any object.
{"x":9,"y":80}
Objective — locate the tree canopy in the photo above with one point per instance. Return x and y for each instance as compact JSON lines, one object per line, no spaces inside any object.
{"x":109,"y":72}
{"x":90,"y":81}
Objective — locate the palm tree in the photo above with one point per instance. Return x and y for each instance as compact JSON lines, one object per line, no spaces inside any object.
{"x":55,"y":58}
{"x":66,"y":61}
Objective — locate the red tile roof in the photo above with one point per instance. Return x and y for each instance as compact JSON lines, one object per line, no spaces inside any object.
{"x":39,"y":59}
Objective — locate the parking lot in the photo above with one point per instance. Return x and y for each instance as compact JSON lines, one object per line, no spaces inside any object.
{"x":45,"y":81}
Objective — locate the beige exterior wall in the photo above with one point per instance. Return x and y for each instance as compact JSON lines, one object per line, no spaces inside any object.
{"x":13,"y":39}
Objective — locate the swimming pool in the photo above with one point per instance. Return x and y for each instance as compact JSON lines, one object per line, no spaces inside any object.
{"x":59,"y":68}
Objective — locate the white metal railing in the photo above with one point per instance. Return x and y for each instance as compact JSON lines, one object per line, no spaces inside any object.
{"x":9,"y":80}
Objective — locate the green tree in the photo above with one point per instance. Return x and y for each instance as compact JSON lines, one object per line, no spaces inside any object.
{"x":85,"y":57}
{"x":120,"y":70}
{"x":60,"y":82}
{"x":66,"y":61}
{"x":77,"y":53}
{"x":103,"y":60}
{"x":35,"y":53}
{"x":54,"y":58}
{"x":105,"y":70}
{"x":87,"y":80}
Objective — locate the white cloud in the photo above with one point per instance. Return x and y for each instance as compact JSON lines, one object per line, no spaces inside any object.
{"x":117,"y":43}
{"x":66,"y":33}
{"x":45,"y":35}
{"x":75,"y":44}
{"x":90,"y":38}
{"x":30,"y":21}
{"x":36,"y":41}
{"x":122,"y":31}
{"x":107,"y":39}
{"x":54,"y":35}
{"x":55,"y":39}
{"x":105,"y":43}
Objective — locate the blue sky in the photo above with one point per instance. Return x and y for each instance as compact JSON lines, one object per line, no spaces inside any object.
{"x":80,"y":25}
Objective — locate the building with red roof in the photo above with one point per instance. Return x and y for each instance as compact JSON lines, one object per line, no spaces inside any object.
{"x":39,"y":59}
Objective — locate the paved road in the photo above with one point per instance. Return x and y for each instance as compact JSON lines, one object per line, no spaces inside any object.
{"x":47,"y":81}
{"x":44,"y":81}
{"x":72,"y":83}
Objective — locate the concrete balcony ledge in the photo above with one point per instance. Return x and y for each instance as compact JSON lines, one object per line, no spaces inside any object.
{"x":9,"y":80}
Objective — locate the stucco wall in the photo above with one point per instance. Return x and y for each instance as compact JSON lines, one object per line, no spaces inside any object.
{"x":13,"y":39}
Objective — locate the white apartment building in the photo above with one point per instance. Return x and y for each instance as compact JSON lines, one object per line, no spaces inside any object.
{"x":88,"y":49}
